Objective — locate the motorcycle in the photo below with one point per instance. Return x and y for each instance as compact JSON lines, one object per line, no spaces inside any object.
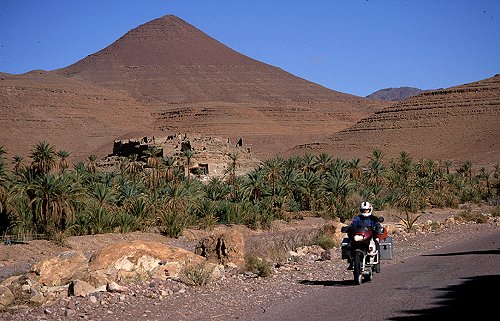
{"x":360,"y":249}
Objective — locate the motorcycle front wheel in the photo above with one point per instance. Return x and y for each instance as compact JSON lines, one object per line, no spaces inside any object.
{"x":358,"y":267}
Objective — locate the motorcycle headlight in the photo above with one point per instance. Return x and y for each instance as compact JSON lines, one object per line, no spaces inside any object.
{"x":358,"y":238}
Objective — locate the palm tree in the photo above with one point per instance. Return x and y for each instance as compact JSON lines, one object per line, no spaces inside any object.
{"x":105,"y":195}
{"x":92,"y":164}
{"x":231,"y":170}
{"x":337,"y":187}
{"x":466,"y":170}
{"x":134,"y":166}
{"x":3,"y":186}
{"x":254,"y":185}
{"x":177,"y":198}
{"x":447,"y":164}
{"x":311,"y":184}
{"x":43,"y":157}
{"x":354,"y":171}
{"x":272,"y":171}
{"x":153,"y":161}
{"x":18,"y":163}
{"x":375,"y":172}
{"x":485,"y":175}
{"x":188,"y":153}
{"x":322,"y":163}
{"x":216,"y":190}
{"x":169,"y":163}
{"x":54,"y":199}
{"x":63,"y":161}
{"x":291,"y":182}
{"x":307,"y":163}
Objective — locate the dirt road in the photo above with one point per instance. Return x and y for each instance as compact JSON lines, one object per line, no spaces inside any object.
{"x":425,"y":267}
{"x":451,"y":281}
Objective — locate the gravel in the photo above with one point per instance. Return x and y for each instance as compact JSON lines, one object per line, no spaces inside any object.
{"x":236,"y":295}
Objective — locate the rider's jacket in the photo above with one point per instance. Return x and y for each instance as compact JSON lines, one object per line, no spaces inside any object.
{"x":370,"y":221}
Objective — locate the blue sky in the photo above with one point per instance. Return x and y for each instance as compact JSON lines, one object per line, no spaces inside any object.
{"x":352,"y":46}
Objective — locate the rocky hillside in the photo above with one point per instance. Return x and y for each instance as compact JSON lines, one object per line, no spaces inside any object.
{"x":395,"y":94}
{"x":166,"y":77}
{"x":459,"y":123}
{"x":75,"y":116}
{"x":168,"y":59}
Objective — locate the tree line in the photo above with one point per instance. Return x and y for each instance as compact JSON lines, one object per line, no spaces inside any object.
{"x":48,"y":196}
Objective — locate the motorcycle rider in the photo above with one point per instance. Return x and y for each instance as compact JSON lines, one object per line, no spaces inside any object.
{"x":366,"y":218}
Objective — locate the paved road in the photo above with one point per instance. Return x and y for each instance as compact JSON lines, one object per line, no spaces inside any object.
{"x":456,"y":281}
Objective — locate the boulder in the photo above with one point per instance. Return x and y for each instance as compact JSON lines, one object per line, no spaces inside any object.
{"x":226,"y":249}
{"x":80,"y":288}
{"x":114,"y":287}
{"x":61,"y":269}
{"x":6,"y":296}
{"x":139,"y":259}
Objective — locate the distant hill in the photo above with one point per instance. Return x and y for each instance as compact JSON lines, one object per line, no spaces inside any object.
{"x":167,"y":77}
{"x":458,"y":123}
{"x":395,"y":94}
{"x":169,"y":60}
{"x":72,"y":115}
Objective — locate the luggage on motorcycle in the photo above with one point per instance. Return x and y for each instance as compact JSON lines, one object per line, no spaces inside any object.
{"x":345,"y":248}
{"x":383,"y":235}
{"x":386,"y":248}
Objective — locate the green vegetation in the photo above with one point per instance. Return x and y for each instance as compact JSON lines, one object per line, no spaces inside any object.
{"x":197,"y":274}
{"x":326,"y":242}
{"x":48,"y":197}
{"x":258,"y":266}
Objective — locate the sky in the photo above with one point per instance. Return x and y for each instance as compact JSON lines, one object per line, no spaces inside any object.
{"x":352,"y":46}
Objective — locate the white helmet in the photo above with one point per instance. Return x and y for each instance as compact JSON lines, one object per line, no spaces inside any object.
{"x":366,"y":209}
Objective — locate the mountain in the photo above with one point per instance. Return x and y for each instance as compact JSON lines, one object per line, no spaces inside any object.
{"x":167,"y":77}
{"x":169,"y":60}
{"x":73,"y":116}
{"x":458,"y":124}
{"x":395,"y":94}
{"x":192,"y":83}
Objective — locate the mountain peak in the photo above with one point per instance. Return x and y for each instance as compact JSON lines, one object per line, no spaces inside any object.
{"x":170,"y":60}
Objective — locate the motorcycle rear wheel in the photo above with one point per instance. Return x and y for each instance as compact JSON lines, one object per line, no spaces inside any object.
{"x":357,"y":267}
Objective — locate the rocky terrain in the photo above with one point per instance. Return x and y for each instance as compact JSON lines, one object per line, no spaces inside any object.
{"x":235,"y":295}
{"x":74,"y":116}
{"x":457,"y":124}
{"x":395,"y":94}
{"x":167,"y":77}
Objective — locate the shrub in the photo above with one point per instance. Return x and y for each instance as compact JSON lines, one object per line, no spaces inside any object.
{"x":197,"y":274}
{"x":495,"y":211}
{"x":326,"y":242}
{"x":258,"y":266}
{"x":172,"y":223}
{"x":408,"y":222}
{"x":469,"y":216}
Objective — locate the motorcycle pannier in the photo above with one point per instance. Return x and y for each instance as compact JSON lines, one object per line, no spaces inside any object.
{"x":345,"y":248}
{"x":386,"y":248}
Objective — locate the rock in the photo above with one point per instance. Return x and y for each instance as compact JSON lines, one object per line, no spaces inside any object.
{"x":37,"y":297}
{"x":7,"y":282}
{"x":326,"y":255}
{"x":139,"y":259}
{"x":61,"y":269}
{"x":6,"y":296}
{"x":114,"y":287}
{"x":227,"y":248}
{"x":80,"y":288}
{"x":69,"y":313}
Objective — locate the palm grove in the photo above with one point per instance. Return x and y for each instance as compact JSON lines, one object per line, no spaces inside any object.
{"x":154,"y":193}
